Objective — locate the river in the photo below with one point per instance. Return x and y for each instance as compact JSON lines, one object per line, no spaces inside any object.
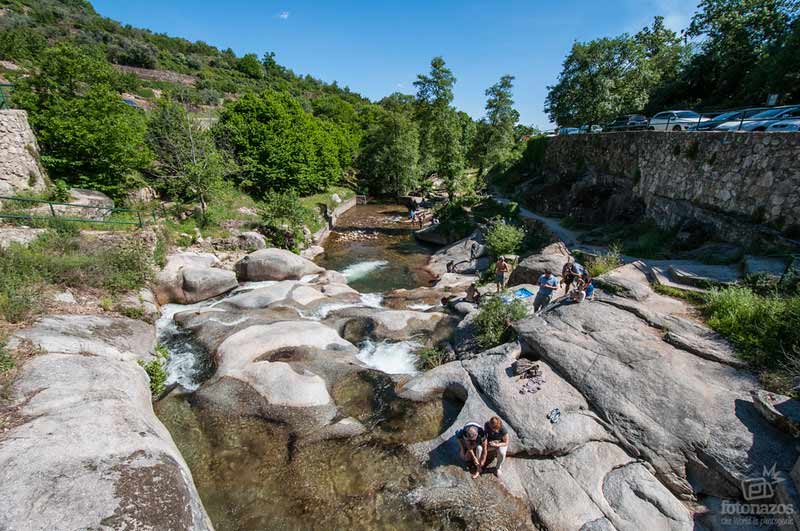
{"x":253,"y":475}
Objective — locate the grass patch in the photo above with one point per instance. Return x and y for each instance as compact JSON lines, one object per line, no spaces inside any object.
{"x":58,"y":258}
{"x":430,"y":358}
{"x":642,"y":240}
{"x":6,"y":359}
{"x":764,"y":329}
{"x":693,"y":297}
{"x":494,"y":321}
{"x":312,"y":201}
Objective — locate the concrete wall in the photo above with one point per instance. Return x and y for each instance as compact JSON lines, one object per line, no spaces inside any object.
{"x":19,"y":165}
{"x":731,"y":181}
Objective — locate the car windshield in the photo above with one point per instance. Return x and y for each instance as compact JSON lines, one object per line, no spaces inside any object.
{"x":727,"y":116}
{"x":769,"y":114}
{"x":687,"y":114}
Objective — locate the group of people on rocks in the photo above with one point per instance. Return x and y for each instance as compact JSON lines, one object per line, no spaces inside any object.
{"x":573,"y":275}
{"x":420,"y":217}
{"x":480,"y":445}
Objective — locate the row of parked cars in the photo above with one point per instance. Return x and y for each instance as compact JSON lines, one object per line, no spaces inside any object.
{"x":784,"y":118}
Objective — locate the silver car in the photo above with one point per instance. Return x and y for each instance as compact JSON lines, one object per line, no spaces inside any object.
{"x":675,"y":120}
{"x":762,"y":120}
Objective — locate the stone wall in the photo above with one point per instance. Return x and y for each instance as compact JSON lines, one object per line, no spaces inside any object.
{"x":19,"y":155}
{"x":732,"y":182}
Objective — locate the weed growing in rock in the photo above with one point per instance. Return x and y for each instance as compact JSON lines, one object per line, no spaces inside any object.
{"x":6,"y":360}
{"x":430,"y":358}
{"x":612,"y":259}
{"x":494,"y":321}
{"x":156,"y":370}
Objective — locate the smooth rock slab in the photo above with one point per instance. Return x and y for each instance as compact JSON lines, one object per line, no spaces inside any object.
{"x":275,"y":264}
{"x":85,"y":451}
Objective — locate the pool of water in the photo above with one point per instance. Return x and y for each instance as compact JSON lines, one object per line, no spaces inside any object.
{"x":252,"y":475}
{"x":373,"y":246}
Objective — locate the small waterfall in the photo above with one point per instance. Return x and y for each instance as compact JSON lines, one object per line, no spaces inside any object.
{"x":391,"y":358}
{"x":362,"y":269}
{"x":188,"y":363}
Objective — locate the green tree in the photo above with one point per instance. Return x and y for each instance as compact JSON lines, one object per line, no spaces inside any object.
{"x":250,"y":66}
{"x":88,"y":135}
{"x":501,"y":118}
{"x":278,"y":145}
{"x":441,"y":151}
{"x":389,"y":160}
{"x":189,"y":163}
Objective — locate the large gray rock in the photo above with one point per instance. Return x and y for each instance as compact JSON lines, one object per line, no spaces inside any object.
{"x":688,"y":416}
{"x":192,"y":277}
{"x":262,"y":370}
{"x":551,"y":258}
{"x":460,"y":254}
{"x":117,"y":338}
{"x":20,"y":235}
{"x":82,"y":449}
{"x":84,"y":204}
{"x":275,"y":264}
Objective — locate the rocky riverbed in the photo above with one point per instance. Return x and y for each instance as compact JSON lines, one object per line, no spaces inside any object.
{"x":300,"y":406}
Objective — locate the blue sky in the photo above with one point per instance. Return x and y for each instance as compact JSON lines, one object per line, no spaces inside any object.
{"x":377,"y":47}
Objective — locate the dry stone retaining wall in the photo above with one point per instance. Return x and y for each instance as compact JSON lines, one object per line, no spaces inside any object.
{"x":19,"y":155}
{"x":731,"y":181}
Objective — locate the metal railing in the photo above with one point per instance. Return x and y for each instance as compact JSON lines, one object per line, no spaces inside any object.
{"x":142,"y":217}
{"x":5,"y":95}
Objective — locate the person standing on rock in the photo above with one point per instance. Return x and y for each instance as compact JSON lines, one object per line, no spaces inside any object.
{"x":500,"y":270}
{"x":548,"y":284}
{"x":496,"y":443}
{"x":472,"y":447}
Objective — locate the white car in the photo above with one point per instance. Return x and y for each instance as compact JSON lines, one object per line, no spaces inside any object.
{"x":785,"y":126}
{"x":675,"y":120}
{"x":762,"y":120}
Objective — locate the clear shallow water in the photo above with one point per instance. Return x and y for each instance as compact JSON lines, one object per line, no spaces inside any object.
{"x":375,"y":249}
{"x":254,"y":475}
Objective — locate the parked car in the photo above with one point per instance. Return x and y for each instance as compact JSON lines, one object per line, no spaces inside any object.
{"x":675,"y":120}
{"x":785,"y":126}
{"x":628,"y":122}
{"x":593,"y":129}
{"x":729,"y":116}
{"x":568,"y":130}
{"x":761,"y":121}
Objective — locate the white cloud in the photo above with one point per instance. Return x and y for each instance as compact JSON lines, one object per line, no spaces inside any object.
{"x":676,"y":13}
{"x":283,"y":15}
{"x":400,"y":85}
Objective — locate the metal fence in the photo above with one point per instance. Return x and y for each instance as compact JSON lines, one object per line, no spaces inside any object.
{"x":141,"y":217}
{"x":5,"y":95}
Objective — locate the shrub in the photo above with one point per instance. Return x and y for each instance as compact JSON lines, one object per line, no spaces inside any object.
{"x":156,"y":370}
{"x":60,"y":191}
{"x":430,"y":358}
{"x":612,"y":259}
{"x":763,"y":328}
{"x":494,"y":321}
{"x":6,"y":359}
{"x":503,"y":238}
{"x":283,"y":217}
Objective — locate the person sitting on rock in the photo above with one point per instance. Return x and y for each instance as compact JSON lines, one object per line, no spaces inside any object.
{"x":472,"y":446}
{"x":548,"y":284}
{"x":579,"y":293}
{"x":496,"y":443}
{"x":589,"y":288}
{"x":501,"y":269}
{"x":473,"y":295}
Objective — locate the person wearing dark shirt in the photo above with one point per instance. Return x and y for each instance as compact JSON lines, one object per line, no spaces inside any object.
{"x":472,"y":447}
{"x":496,"y":443}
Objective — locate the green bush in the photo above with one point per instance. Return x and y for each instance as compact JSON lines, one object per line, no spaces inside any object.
{"x":6,"y":359}
{"x":494,"y":321}
{"x":156,"y":370}
{"x":763,"y":328}
{"x":283,"y":217}
{"x":612,"y":259}
{"x":503,"y":238}
{"x":430,"y":358}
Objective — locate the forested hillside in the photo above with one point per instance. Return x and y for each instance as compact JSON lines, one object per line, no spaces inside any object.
{"x":116,"y":108}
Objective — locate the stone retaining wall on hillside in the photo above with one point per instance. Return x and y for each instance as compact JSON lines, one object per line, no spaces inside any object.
{"x":732,"y":181}
{"x":321,"y":235}
{"x":19,"y":155}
